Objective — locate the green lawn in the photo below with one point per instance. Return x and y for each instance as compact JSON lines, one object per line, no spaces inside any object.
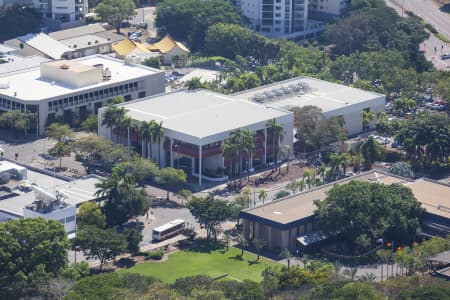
{"x":215,"y":263}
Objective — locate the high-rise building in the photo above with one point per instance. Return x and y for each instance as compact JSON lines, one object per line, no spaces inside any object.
{"x":63,"y":11}
{"x":325,"y":10}
{"x":276,"y":18}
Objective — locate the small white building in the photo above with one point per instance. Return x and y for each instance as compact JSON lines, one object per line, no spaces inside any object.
{"x":58,"y":89}
{"x":195,"y":125}
{"x":332,"y":98}
{"x":48,"y":197}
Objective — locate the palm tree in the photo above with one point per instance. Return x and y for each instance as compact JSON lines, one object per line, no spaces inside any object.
{"x":350,"y":273}
{"x":248,"y":145}
{"x":307,"y":173}
{"x":242,"y":241}
{"x":262,"y":195}
{"x":113,"y":116}
{"x":127,"y":123}
{"x":368,"y":277}
{"x":367,"y":117}
{"x":292,"y":186}
{"x":321,"y":171}
{"x":301,"y":185}
{"x":229,"y":150}
{"x":277,"y":136}
{"x":238,"y":137}
{"x":157,"y":134}
{"x":146,"y":129}
{"x":286,"y":153}
{"x":344,"y":160}
{"x":227,"y":240}
{"x":259,"y":244}
{"x":286,"y":254}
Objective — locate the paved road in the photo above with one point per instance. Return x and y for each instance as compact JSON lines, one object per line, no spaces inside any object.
{"x":429,"y":11}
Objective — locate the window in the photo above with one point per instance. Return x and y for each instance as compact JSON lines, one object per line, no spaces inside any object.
{"x":70,"y":219}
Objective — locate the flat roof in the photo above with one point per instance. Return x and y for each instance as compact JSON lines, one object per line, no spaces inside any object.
{"x":301,"y":205}
{"x":326,"y":95}
{"x":85,"y":41}
{"x":77,"y":191}
{"x":6,"y":49}
{"x":434,"y":196}
{"x":29,"y":85}
{"x":16,"y":63}
{"x":431,"y":194}
{"x":77,"y":31}
{"x":200,"y":113}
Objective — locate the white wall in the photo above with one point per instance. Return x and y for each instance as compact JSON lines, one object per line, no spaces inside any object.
{"x":66,"y":216}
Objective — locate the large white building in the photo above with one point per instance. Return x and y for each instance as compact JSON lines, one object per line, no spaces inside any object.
{"x":290,"y":18}
{"x":58,"y":89}
{"x":276,"y":18}
{"x":196,"y":124}
{"x":332,"y":98}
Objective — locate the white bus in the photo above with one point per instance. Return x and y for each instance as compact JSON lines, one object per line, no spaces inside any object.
{"x":168,"y":230}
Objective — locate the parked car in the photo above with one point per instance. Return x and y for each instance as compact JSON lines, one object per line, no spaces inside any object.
{"x":445,"y":56}
{"x":177,"y":74}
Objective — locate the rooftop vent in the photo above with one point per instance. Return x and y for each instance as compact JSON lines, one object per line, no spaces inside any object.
{"x":75,"y":46}
{"x":96,"y":41}
{"x":89,"y":43}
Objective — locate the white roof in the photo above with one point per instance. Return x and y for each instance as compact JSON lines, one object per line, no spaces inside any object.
{"x":28,"y":84}
{"x":77,"y":191}
{"x":45,"y":44}
{"x":17,"y":63}
{"x":6,"y":49}
{"x":200,"y":113}
{"x":85,"y":41}
{"x":326,"y":95}
{"x":8,"y":166}
{"x":77,"y":31}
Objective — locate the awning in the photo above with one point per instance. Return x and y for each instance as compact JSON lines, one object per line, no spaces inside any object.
{"x":312,"y":238}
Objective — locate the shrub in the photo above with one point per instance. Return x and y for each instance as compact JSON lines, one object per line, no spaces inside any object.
{"x":155,"y":255}
{"x":431,"y":28}
{"x":281,"y":194}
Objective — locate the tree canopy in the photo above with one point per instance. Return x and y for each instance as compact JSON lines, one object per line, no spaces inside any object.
{"x":115,"y":11}
{"x":19,"y":20}
{"x":314,"y":131}
{"x":101,"y":244}
{"x":210,"y":212}
{"x":122,"y":199}
{"x":189,"y":20}
{"x":362,"y":212}
{"x":30,"y":249}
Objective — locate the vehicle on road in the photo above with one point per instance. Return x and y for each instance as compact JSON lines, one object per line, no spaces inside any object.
{"x":168,"y":230}
{"x":445,"y":56}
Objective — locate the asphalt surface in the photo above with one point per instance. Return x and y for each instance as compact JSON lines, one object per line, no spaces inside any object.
{"x":429,"y":11}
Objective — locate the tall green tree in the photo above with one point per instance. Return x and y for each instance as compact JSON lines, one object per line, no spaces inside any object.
{"x":209,"y":212}
{"x":101,"y":244}
{"x":59,"y":132}
{"x":30,"y":249}
{"x":355,"y":212}
{"x":89,"y":213}
{"x":113,"y":117}
{"x":172,"y":178}
{"x":115,"y":11}
{"x":189,"y":20}
{"x":277,"y":131}
{"x":123,"y":200}
{"x":60,"y":150}
{"x":370,"y":151}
